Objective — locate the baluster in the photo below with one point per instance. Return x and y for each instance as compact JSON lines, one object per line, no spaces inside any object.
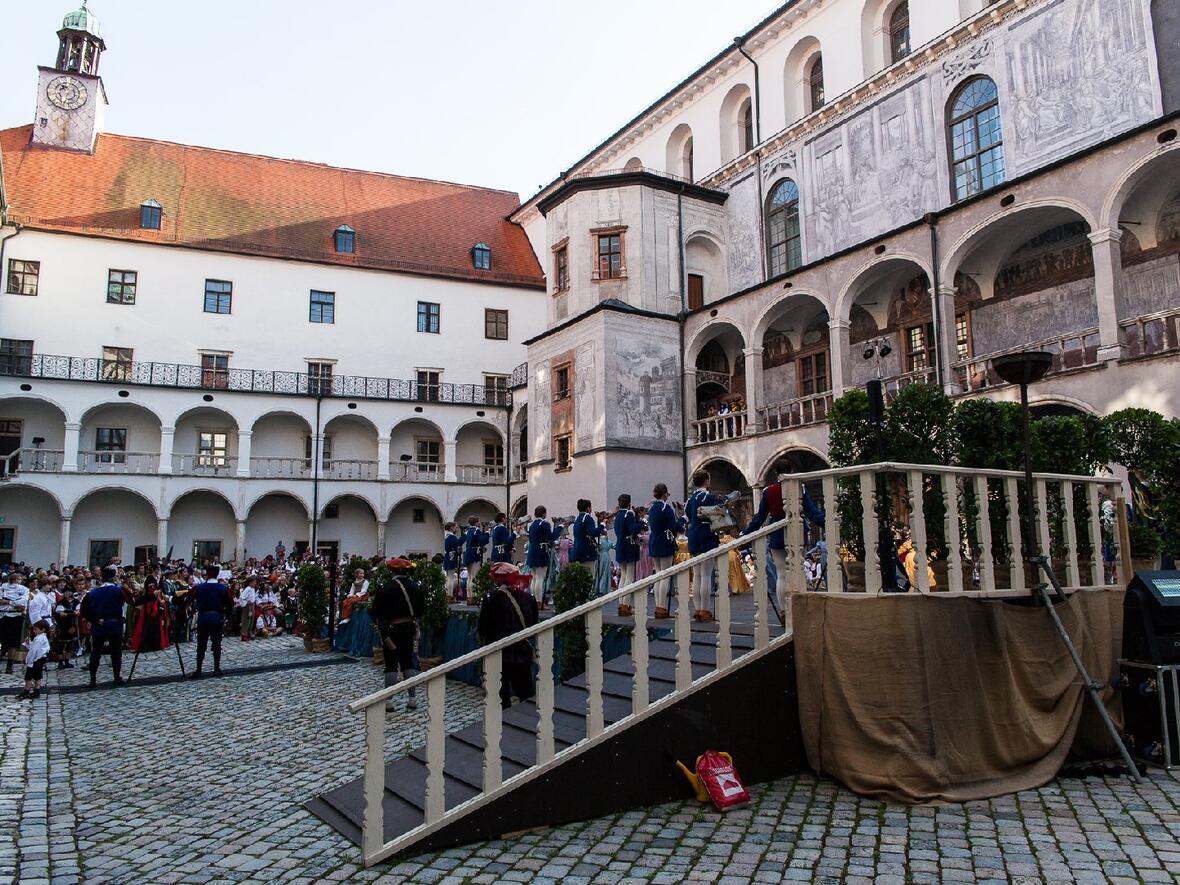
{"x":954,"y":549}
{"x":761,"y":614}
{"x":373,"y":827}
{"x":983,"y":530}
{"x":793,"y":505}
{"x":594,"y":673}
{"x":683,"y":633}
{"x":639,"y":686}
{"x":493,"y":773}
{"x":870,"y":527}
{"x":1014,"y":534}
{"x":724,"y":588}
{"x":918,"y":530}
{"x":1044,"y":539}
{"x":436,"y":736}
{"x":1073,"y":572}
{"x":1098,"y":573}
{"x":545,"y":695}
{"x":832,"y":533}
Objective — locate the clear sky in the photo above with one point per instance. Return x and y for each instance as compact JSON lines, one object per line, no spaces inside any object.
{"x":503,"y":94}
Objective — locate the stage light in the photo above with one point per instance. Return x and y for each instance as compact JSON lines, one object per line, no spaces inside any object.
{"x":885,"y":349}
{"x":869,"y":353}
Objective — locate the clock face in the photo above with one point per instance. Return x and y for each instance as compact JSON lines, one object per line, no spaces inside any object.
{"x":67,"y":93}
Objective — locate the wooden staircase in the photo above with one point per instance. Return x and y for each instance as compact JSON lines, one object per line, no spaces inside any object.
{"x":559,"y":798}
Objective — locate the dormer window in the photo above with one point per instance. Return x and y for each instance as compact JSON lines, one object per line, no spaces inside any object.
{"x":345,"y":238}
{"x":481,"y":256}
{"x":150,"y":215}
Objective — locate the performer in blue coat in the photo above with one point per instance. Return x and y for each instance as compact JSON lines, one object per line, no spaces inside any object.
{"x":627,"y":529}
{"x":702,"y":539}
{"x":663,"y":526}
{"x":103,"y":608}
{"x":474,"y":540}
{"x":452,"y":556}
{"x":586,"y":532}
{"x":770,"y":509}
{"x":502,"y":539}
{"x":542,"y":536}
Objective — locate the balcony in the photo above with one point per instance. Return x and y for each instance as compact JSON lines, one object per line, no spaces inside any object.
{"x":1076,"y":351}
{"x":204,"y":465}
{"x":118,"y":462}
{"x":72,"y":368}
{"x":480,"y":474}
{"x":1152,"y":335}
{"x":798,"y":412}
{"x":719,"y":428}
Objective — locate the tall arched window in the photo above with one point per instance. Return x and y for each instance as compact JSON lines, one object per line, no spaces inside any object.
{"x":784,"y":246}
{"x":977,"y":141}
{"x":899,"y":32}
{"x":686,"y":161}
{"x":745,"y":127}
{"x":815,"y":83}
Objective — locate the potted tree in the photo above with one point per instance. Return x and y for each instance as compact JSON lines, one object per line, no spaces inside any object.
{"x":438,"y":611}
{"x":312,"y":586}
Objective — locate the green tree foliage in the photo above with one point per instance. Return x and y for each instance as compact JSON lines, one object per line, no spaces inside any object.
{"x":479,"y":584}
{"x":575,"y":586}
{"x":434,"y":589}
{"x":312,"y":586}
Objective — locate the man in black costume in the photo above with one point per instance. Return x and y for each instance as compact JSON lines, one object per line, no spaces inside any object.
{"x":396,"y":605}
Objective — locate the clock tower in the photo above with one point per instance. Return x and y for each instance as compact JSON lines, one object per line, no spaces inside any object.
{"x":70,"y":96}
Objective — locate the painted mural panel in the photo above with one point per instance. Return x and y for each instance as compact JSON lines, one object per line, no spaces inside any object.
{"x":876,"y":171}
{"x":643,"y":372}
{"x":1079,"y":71}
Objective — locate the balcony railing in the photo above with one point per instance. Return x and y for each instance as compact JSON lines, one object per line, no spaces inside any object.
{"x":520,"y":376}
{"x":280,"y":468}
{"x":519,"y":473}
{"x":32,"y":461}
{"x":797,"y":412}
{"x":74,"y":368}
{"x":1152,"y":334}
{"x":1074,"y":351}
{"x":118,"y":462}
{"x":204,"y":465}
{"x":413,"y":472}
{"x":349,"y":468}
{"x":718,"y":428}
{"x":480,"y":474}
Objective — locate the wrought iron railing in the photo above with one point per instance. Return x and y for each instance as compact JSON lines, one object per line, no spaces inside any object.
{"x":80,"y":368}
{"x":520,"y":377}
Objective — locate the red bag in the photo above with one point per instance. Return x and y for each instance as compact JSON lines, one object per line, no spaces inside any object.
{"x":721,"y":780}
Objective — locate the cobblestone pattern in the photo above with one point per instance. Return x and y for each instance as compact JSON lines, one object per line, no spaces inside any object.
{"x":202,"y":782}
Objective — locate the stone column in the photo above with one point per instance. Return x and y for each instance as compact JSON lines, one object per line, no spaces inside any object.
{"x":63,"y":552}
{"x":245,"y":438}
{"x":381,"y":526}
{"x":167,"y":439}
{"x":1108,"y":292}
{"x":755,"y":395}
{"x":449,"y":448}
{"x":383,"y":457}
{"x":240,"y":541}
{"x":162,"y":537}
{"x":947,"y":352}
{"x":69,"y":461}
{"x":690,"y":401}
{"x":840,"y":350}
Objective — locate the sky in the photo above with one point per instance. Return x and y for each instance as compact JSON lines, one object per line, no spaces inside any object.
{"x":501,"y":94}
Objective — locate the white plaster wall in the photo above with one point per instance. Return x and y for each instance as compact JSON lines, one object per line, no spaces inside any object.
{"x":143,"y":427}
{"x":273,"y":518}
{"x":201,"y":420}
{"x":38,"y":418}
{"x":355,"y":528}
{"x":202,"y":516}
{"x":111,"y":514}
{"x":403,"y":535}
{"x":167,"y":323}
{"x":401,"y":441}
{"x":37,"y":521}
{"x":278,"y":436}
{"x":352,"y":439}
{"x":469,"y":449}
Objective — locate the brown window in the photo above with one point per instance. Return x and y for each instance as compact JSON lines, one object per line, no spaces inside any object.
{"x":429,"y":385}
{"x":812,"y":373}
{"x":561,"y":270}
{"x":493,"y":453}
{"x":117,"y":363}
{"x":495,"y":389}
{"x":212,"y":448}
{"x":899,"y":32}
{"x":563,"y":459}
{"x":610,"y":256}
{"x":495,"y":324}
{"x":319,"y":379}
{"x":561,"y":382}
{"x":215,"y":370}
{"x":23,"y":277}
{"x":121,"y":286}
{"x":16,"y":356}
{"x":815,"y":83}
{"x":696,"y":291}
{"x":428,"y":454}
{"x":919,"y":347}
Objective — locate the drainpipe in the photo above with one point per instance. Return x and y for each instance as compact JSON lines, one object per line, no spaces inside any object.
{"x":740,"y":43}
{"x":508,"y":460}
{"x":682,"y":315}
{"x":4,"y":241}
{"x":941,"y":363}
{"x":315,"y":473}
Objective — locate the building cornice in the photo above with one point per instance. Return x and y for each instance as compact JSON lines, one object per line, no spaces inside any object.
{"x":610,"y":306}
{"x":624,"y":178}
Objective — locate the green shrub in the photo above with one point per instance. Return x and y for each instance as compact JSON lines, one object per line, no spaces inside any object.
{"x":434,"y":589}
{"x":312,"y":586}
{"x":479,"y":584}
{"x":575,"y":586}
{"x":1145,"y":541}
{"x":355,"y":562}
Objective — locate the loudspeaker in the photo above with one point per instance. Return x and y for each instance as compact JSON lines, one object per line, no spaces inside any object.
{"x":876,"y":401}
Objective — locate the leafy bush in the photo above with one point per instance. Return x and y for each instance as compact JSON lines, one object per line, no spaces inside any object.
{"x":434,"y":589}
{"x":480,"y":584}
{"x":575,"y":586}
{"x":1145,"y":541}
{"x":355,"y":562}
{"x":312,"y":586}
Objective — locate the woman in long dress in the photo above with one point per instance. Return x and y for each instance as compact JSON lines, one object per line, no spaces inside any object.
{"x":151,"y":625}
{"x":604,"y":570}
{"x":644,"y":568}
{"x":354,"y":635}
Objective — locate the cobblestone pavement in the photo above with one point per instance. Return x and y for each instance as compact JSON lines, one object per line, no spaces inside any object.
{"x":203,"y":782}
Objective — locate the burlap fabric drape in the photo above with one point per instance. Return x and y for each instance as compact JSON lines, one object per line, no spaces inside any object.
{"x":937,"y":698}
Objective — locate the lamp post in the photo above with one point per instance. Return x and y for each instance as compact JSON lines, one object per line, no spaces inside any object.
{"x":877,"y":349}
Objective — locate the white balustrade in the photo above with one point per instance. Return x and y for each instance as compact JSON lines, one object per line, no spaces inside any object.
{"x":480,"y":474}
{"x":32,"y":461}
{"x":1152,"y":334}
{"x":184,"y":464}
{"x":1073,"y":351}
{"x":798,"y":412}
{"x":719,"y":428}
{"x":968,"y":512}
{"x":118,"y":462}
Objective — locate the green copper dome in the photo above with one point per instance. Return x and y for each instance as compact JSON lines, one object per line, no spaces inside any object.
{"x":82,"y":19}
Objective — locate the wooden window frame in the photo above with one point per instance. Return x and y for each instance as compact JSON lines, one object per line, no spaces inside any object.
{"x":975,"y":184}
{"x":428,"y":391}
{"x":428,"y":314}
{"x":492,"y":317}
{"x":563,"y":466}
{"x":119,"y":366}
{"x":561,"y":267}
{"x":17,"y":282}
{"x":327,"y":308}
{"x":808,"y":356}
{"x":218,"y":296}
{"x":122,"y":286}
{"x":598,"y":234}
{"x":558,"y":396}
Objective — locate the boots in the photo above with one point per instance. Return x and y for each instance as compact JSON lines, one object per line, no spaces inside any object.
{"x":661,"y":613}
{"x":412,"y":694}
{"x":625,"y":611}
{"x":391,"y":679}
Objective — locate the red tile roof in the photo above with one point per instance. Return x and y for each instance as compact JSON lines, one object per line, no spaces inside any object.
{"x":244,"y":203}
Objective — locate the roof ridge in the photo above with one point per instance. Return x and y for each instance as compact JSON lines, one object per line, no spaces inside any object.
{"x":295,"y":161}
